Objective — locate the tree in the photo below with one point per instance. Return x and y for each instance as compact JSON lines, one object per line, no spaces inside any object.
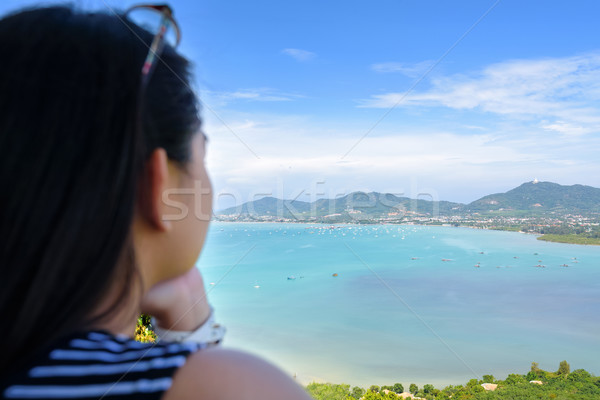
{"x":389,"y":396}
{"x":473,"y":382}
{"x":428,"y":389}
{"x":413,"y":388}
{"x":536,"y":373}
{"x":372,"y":396}
{"x":374,"y":389}
{"x":357,"y":392}
{"x":328,"y":391}
{"x":514,"y":379}
{"x":442,"y":396}
{"x":564,"y":368}
{"x":398,"y":388}
{"x":580,"y":375}
{"x":488,"y":379}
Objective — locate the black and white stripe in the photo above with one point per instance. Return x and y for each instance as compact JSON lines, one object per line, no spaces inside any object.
{"x":96,"y":365}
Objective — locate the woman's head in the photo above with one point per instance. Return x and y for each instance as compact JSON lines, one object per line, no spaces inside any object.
{"x":74,"y":164}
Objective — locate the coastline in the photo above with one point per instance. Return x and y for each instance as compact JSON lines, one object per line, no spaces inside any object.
{"x":552,"y":238}
{"x":570,"y":239}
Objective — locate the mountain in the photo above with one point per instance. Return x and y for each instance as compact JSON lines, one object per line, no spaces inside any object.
{"x":531,"y":197}
{"x":541,"y":197}
{"x":354,"y":206}
{"x":269,"y":206}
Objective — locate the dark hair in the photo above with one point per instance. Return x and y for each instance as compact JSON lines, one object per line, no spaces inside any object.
{"x":71,"y":157}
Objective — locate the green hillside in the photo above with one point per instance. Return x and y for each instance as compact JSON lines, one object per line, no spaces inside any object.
{"x":529,"y":199}
{"x":270,"y":206}
{"x":541,"y":197}
{"x":357,"y":205}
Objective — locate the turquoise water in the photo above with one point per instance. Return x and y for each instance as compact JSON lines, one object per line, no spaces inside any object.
{"x":396,"y":312}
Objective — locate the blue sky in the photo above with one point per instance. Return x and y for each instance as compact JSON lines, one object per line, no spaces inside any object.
{"x":455,"y":99}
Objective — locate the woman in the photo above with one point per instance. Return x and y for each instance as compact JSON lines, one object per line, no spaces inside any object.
{"x":104,"y":208}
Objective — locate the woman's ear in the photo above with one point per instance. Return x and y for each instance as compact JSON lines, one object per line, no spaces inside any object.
{"x":154,"y":182}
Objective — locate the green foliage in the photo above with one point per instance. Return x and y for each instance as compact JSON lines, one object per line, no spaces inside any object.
{"x":442,"y":396}
{"x":515,"y":379}
{"x":380,"y":396}
{"x":564,"y":368}
{"x":576,"y":385}
{"x":570,"y":238}
{"x":357,"y":392}
{"x":328,"y":391}
{"x":473,"y":383}
{"x":488,"y":379}
{"x":374,"y":388}
{"x":541,"y":196}
{"x":580,"y":375}
{"x":413,"y":388}
{"x":536,"y":374}
{"x":535,"y":367}
{"x":398,"y":388}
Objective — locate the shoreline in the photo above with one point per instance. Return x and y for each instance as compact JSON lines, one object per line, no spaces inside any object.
{"x":551,"y":238}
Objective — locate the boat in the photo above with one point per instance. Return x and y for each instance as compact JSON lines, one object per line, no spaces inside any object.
{"x":291,"y":278}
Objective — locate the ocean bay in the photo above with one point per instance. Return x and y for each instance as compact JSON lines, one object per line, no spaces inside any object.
{"x":397,"y":312}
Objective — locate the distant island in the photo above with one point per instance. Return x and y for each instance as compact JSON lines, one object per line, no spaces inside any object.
{"x":558,"y":213}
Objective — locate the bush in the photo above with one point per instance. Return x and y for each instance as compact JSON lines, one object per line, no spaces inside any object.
{"x":374,"y":389}
{"x":564,"y":368}
{"x":579,"y":375}
{"x":413,"y":388}
{"x":357,"y":392}
{"x":515,"y":379}
{"x":328,"y":391}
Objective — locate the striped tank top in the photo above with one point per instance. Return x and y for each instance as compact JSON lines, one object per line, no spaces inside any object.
{"x":99,"y":365}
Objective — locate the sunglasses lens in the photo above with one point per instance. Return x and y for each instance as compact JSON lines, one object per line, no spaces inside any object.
{"x":152,"y":20}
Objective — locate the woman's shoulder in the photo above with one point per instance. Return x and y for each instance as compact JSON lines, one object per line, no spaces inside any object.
{"x":96,"y":364}
{"x":103,"y":347}
{"x":218,"y":373}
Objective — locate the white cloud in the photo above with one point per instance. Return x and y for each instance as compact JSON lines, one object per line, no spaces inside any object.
{"x":566,"y":128}
{"x":254,"y":94}
{"x":299,"y":54}
{"x":562,"y":93}
{"x":516,"y":121}
{"x":412,"y":70}
{"x":295,"y":153}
